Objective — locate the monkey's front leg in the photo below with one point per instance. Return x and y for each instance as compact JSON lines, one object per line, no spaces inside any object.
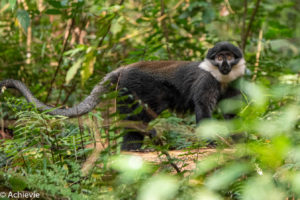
{"x":202,"y":112}
{"x":233,"y":94}
{"x":205,"y":103}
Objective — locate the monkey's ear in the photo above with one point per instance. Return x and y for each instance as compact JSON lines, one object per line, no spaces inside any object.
{"x":211,"y":53}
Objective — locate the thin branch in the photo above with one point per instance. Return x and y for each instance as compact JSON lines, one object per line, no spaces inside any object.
{"x":258,"y":54}
{"x":59,"y":95}
{"x":108,"y":29}
{"x":250,"y":25}
{"x":244,"y":23}
{"x":28,"y":44}
{"x":105,"y":34}
{"x":28,"y":36}
{"x":67,"y":36}
{"x":69,"y":93}
{"x":168,"y":156}
{"x":170,"y":159}
{"x":2,"y":133}
{"x":228,"y":6}
{"x":98,"y":138}
{"x":81,"y":129}
{"x":164,"y":26}
{"x":224,"y":140}
{"x":99,"y":146}
{"x":148,"y":110}
{"x":105,"y":114}
{"x":84,"y":26}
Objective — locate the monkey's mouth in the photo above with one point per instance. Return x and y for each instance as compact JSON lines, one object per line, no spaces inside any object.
{"x":225,"y":71}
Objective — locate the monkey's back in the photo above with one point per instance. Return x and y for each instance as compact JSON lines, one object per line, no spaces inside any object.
{"x":163,"y":68}
{"x":163,"y":84}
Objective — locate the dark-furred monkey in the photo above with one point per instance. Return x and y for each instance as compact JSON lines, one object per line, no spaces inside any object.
{"x":180,"y":86}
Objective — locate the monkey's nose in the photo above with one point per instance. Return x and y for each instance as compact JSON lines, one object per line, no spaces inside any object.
{"x":225,"y":71}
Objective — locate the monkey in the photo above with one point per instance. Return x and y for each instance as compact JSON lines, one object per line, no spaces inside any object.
{"x":180,"y":86}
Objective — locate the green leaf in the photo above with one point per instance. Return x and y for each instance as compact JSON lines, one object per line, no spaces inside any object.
{"x":205,"y":194}
{"x":223,"y":178}
{"x":261,"y":188}
{"x":257,"y":93}
{"x":24,"y":19}
{"x":116,"y":26}
{"x":208,"y":15}
{"x":159,"y":187}
{"x":294,"y":65}
{"x":76,"y":50}
{"x":131,"y":168}
{"x":88,"y":65}
{"x":17,"y":183}
{"x":73,"y":70}
{"x":296,"y":183}
{"x":12,"y":4}
{"x":56,"y":4}
{"x":207,"y":164}
{"x":138,"y":110}
{"x":64,"y":2}
{"x":53,"y":12}
{"x":212,"y":129}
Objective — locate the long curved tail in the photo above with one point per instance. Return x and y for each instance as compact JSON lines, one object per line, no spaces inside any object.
{"x":82,"y":108}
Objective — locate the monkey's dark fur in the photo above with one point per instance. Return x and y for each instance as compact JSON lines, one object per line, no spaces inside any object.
{"x":177,"y":85}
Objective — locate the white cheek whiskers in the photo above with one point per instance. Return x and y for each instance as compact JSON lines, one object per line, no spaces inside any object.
{"x":237,"y":71}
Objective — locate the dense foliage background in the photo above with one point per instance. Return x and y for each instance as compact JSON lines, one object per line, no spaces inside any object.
{"x":61,"y":49}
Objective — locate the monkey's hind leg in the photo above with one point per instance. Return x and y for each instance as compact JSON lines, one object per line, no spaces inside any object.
{"x":135,"y":133}
{"x":136,"y":122}
{"x":132,"y":141}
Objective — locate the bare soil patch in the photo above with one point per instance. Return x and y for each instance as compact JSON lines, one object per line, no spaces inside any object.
{"x":184,"y":159}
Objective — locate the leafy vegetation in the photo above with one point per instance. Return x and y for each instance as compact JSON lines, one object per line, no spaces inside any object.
{"x":61,"y":49}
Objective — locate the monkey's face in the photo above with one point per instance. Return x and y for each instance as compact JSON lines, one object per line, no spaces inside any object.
{"x":225,"y":60}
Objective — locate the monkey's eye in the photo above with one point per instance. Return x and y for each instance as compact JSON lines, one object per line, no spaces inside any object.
{"x":229,"y":57}
{"x":220,"y":58}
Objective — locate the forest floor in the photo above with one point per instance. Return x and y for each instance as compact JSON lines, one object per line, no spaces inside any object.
{"x":184,"y":159}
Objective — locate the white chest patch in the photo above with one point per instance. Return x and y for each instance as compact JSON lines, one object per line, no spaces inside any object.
{"x":237,"y":71}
